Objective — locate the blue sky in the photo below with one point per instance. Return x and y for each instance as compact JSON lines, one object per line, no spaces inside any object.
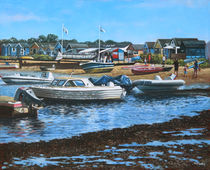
{"x":137,"y":21}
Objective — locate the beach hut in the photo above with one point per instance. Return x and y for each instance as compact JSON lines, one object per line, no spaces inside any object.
{"x":118,"y":55}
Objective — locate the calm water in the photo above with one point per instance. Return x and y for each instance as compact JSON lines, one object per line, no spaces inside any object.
{"x":58,"y":121}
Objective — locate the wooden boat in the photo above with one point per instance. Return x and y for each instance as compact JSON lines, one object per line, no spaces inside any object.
{"x":146,"y":70}
{"x":157,"y":85}
{"x":18,"y":78}
{"x":78,"y":89}
{"x":97,"y":67}
{"x":8,"y":66}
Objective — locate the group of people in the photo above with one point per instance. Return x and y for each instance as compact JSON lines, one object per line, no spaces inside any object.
{"x":195,"y":67}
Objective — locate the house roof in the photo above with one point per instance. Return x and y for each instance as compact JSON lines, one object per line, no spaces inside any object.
{"x":178,"y":41}
{"x":138,"y":47}
{"x":163,"y":41}
{"x":150,"y":44}
{"x":78,"y":45}
{"x":194,"y":44}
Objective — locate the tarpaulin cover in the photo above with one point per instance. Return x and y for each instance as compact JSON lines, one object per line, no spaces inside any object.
{"x":121,"y":80}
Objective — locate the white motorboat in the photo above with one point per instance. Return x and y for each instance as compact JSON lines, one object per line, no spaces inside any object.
{"x":78,"y":89}
{"x":158,"y":84}
{"x":18,"y":78}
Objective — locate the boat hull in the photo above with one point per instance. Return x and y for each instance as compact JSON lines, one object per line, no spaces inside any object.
{"x":8,"y":66}
{"x":97,"y":67}
{"x":14,"y":80}
{"x":78,"y":94}
{"x":158,"y":85}
{"x":147,"y":70}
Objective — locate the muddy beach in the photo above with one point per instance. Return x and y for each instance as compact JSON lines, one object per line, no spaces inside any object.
{"x":178,"y":144}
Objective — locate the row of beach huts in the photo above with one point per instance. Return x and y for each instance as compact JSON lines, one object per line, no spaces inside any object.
{"x":172,"y":48}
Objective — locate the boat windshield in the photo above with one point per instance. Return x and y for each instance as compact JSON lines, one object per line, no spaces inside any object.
{"x":54,"y":83}
{"x":61,"y":82}
{"x":79,"y":83}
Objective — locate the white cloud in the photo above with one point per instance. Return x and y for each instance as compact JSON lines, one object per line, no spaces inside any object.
{"x":5,"y":18}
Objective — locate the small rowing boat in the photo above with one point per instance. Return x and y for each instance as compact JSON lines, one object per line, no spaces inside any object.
{"x":146,"y":70}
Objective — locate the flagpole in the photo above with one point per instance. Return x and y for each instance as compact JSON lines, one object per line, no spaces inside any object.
{"x":99,"y":43}
{"x":62,"y":40}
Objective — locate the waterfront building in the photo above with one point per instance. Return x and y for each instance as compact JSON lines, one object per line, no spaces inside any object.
{"x":149,"y":48}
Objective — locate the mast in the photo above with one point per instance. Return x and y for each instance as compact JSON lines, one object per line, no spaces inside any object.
{"x":99,"y":42}
{"x":62,"y":40}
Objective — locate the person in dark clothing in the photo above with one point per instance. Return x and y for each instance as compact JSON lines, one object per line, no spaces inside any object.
{"x":195,"y":69}
{"x":176,"y":67}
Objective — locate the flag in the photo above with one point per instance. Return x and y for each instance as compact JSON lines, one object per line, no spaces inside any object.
{"x":65,"y":30}
{"x":102,"y":30}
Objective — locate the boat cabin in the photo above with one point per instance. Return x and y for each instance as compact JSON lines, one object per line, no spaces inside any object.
{"x":71,"y":83}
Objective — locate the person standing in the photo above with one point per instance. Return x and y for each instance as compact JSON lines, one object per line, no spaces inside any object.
{"x":145,"y":60}
{"x":195,"y":69}
{"x":164,"y":60}
{"x":185,"y":70}
{"x":176,"y":67}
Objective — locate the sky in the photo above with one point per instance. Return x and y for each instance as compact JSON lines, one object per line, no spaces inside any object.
{"x":137,"y":21}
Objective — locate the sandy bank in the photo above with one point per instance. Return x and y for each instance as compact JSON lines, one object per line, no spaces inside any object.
{"x":203,"y":74}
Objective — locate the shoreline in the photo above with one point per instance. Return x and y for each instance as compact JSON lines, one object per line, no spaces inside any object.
{"x":203,"y":74}
{"x":105,"y":143}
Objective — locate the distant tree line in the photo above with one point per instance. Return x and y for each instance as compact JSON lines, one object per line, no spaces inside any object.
{"x":52,"y":38}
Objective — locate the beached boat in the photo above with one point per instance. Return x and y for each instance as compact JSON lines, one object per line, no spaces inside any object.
{"x":18,"y":78}
{"x":78,"y":89}
{"x":158,"y":84}
{"x":45,"y":68}
{"x":8,"y":66}
{"x":146,"y":70}
{"x":97,"y":67}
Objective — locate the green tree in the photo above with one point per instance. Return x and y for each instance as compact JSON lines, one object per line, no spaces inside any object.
{"x":31,"y":40}
{"x":13,"y":40}
{"x":52,"y":38}
{"x":42,"y":38}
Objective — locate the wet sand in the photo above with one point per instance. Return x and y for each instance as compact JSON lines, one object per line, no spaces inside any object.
{"x":161,"y":145}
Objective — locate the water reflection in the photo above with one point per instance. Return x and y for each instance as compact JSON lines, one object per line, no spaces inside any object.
{"x":63,"y":120}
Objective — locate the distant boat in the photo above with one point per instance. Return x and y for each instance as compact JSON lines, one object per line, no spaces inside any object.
{"x":45,"y":68}
{"x":18,"y":78}
{"x":146,"y":70}
{"x":97,"y":67}
{"x":157,"y":85}
{"x":8,"y":66}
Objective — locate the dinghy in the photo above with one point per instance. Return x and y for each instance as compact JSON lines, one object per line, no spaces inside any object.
{"x":146,"y":70}
{"x":158,"y":84}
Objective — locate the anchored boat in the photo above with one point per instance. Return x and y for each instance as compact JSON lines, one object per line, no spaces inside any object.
{"x":18,"y":78}
{"x":97,"y":67}
{"x":78,"y":89}
{"x":158,"y":84}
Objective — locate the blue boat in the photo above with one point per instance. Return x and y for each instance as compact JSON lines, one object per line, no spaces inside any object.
{"x":97,"y":67}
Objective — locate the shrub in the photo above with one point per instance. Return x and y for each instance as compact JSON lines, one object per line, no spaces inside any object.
{"x":181,"y":62}
{"x":8,"y":57}
{"x":42,"y":57}
{"x":169,"y":61}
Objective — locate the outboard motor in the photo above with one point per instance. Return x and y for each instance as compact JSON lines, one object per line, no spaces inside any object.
{"x":27,"y":96}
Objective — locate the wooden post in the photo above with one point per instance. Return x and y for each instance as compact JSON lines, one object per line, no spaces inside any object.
{"x":20,"y":63}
